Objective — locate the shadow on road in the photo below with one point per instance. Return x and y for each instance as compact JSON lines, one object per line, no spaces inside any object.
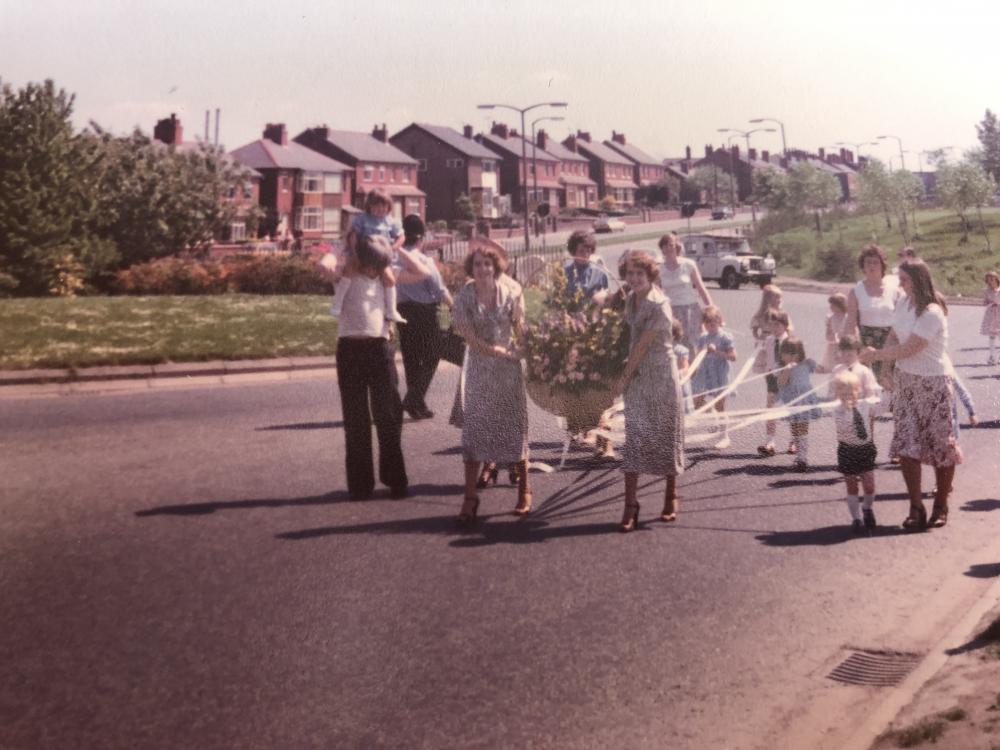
{"x":983,"y":570}
{"x":822,"y":537}
{"x":980,"y":506}
{"x":330,"y":498}
{"x":302,"y":426}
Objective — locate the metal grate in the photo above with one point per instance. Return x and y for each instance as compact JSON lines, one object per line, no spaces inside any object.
{"x":875,"y":668}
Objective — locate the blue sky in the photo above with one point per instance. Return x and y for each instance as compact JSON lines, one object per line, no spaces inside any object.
{"x":667,"y":74}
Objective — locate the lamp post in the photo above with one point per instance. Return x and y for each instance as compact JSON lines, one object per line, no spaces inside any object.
{"x":759,"y":120}
{"x":857,"y":146}
{"x":524,"y":155}
{"x":534,"y":163}
{"x":902,"y":161}
{"x":732,"y":173}
{"x":746,"y":134}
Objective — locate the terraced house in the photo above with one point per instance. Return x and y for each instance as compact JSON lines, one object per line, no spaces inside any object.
{"x":613,"y":172}
{"x":539,"y":169}
{"x":578,"y":190}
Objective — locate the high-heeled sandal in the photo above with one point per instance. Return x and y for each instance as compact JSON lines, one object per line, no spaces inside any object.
{"x":470,"y":509}
{"x":523,"y":506}
{"x":487,"y":475}
{"x":917,"y":520}
{"x":939,"y":517}
{"x":669,"y":514}
{"x":630,"y":521}
{"x":513,"y":474}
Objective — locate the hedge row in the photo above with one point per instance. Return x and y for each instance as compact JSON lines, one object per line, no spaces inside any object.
{"x":260,"y":274}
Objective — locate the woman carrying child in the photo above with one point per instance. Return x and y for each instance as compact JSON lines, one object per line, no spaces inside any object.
{"x":712,"y":376}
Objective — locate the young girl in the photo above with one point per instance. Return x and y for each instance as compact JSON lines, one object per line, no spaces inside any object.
{"x":777,"y":325}
{"x":795,"y":388}
{"x":835,"y":321}
{"x":855,"y":448}
{"x":770,"y":299}
{"x":712,"y":376}
{"x":375,"y":221}
{"x":683,"y":361}
{"x":991,"y":316}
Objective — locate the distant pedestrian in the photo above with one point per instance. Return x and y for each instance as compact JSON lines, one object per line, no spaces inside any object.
{"x":420,"y":336}
{"x":367,"y":378}
{"x":991,"y":315}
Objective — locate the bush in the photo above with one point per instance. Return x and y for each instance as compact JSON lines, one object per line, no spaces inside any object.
{"x":452,"y":274}
{"x":171,"y":276}
{"x":282,"y":274}
{"x":836,"y":263}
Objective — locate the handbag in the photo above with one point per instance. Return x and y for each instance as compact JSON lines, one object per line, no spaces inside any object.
{"x":452,"y":346}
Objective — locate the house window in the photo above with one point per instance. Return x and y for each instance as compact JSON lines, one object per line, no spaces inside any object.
{"x":332,"y":183}
{"x":392,"y":174}
{"x":248,"y":189}
{"x":310,"y":182}
{"x":237,"y":231}
{"x":381,"y":173}
{"x":421,"y":165}
{"x":454,"y":163}
{"x":309,"y":218}
{"x":489,"y":165}
{"x":413,"y":206}
{"x":284,"y":183}
{"x":369,"y":173}
{"x":487,"y":198}
{"x":406,"y":174}
{"x":331,"y":219}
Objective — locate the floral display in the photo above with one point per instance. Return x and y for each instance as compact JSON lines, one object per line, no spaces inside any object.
{"x":575,"y":351}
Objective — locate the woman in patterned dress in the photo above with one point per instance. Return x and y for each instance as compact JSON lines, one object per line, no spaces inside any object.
{"x":924,"y":424}
{"x":488,"y":310}
{"x":654,"y":420}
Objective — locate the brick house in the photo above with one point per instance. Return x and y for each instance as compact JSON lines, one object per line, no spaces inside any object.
{"x":242,"y":197}
{"x":612,"y":171}
{"x":450,"y":164}
{"x":543,"y":187}
{"x":300,"y":191}
{"x":578,"y":190}
{"x":375,"y":163}
{"x":647,"y":171}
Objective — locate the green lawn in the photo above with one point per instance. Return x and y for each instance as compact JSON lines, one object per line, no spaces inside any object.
{"x":958,"y":268}
{"x":91,"y":331}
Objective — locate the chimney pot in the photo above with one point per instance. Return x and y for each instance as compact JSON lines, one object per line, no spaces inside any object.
{"x":169,"y":130}
{"x":822,"y":154}
{"x":467,"y":131}
{"x":276,"y":132}
{"x":687,"y":153}
{"x":752,"y":153}
{"x":765,"y":156}
{"x":708,"y":150}
{"x":542,"y":139}
{"x":380,"y":134}
{"x":583,"y":136}
{"x":618,"y":137}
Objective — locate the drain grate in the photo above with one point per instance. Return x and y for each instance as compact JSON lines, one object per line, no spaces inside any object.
{"x":875,"y":668}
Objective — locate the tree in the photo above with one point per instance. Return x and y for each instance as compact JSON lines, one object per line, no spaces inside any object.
{"x":988,"y":132}
{"x":809,"y":189}
{"x":463,"y":208}
{"x":906,"y":190}
{"x":707,"y":179}
{"x":48,"y":194}
{"x":770,"y":188}
{"x":875,"y":193}
{"x":963,"y":187}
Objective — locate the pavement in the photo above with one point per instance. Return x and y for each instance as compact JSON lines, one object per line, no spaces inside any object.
{"x":950,"y":699}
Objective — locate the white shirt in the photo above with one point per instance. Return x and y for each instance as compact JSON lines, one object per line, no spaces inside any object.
{"x":932,"y":326}
{"x":877,"y":312}
{"x":678,"y":283}
{"x":870,"y":389}
{"x":844,"y":420}
{"x":363,"y":314}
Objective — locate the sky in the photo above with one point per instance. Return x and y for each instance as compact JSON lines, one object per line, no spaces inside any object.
{"x":667,"y":74}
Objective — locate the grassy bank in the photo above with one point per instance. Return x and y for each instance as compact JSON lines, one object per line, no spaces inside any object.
{"x":958,"y":267}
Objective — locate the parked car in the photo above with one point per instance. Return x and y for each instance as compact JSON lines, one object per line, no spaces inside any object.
{"x":723,"y":212}
{"x":608,"y":224}
{"x":728,"y":259}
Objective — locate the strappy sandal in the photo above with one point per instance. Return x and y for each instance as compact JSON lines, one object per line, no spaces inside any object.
{"x":487,"y":475}
{"x":939,"y":517}
{"x":630,"y":521}
{"x":669,"y":514}
{"x":523,"y":506}
{"x":917,"y":520}
{"x":470,"y":509}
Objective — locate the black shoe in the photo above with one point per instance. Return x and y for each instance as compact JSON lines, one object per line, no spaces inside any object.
{"x":857,"y":527}
{"x":869,"y":516}
{"x":398,"y":493}
{"x":426,"y":413}
{"x":414,"y":411}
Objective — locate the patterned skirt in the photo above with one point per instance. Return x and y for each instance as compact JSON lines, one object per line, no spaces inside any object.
{"x":924,"y":429}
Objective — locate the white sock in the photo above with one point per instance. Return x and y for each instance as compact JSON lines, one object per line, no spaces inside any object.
{"x":390,"y":304}
{"x":802,"y":443}
{"x":854,"y":506}
{"x":339,"y":292}
{"x":869,"y":502}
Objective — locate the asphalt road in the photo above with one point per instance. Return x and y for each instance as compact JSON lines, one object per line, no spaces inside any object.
{"x":183,"y":569}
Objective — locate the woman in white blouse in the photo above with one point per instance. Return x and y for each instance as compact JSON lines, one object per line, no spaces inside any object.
{"x":924,"y":427}
{"x":681,"y":282}
{"x":871,"y":305}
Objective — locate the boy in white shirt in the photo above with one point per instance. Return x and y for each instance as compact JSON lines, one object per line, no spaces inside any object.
{"x":856,"y":450}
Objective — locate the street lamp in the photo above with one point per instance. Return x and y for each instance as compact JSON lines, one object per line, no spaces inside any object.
{"x":759,"y":120}
{"x":746,"y":134}
{"x":857,"y":146}
{"x":902,"y":161}
{"x":534,"y":163}
{"x":524,"y":155}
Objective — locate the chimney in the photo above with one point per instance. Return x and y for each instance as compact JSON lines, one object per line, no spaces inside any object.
{"x":380,"y":134}
{"x":765,"y":156}
{"x":736,"y":151}
{"x":583,"y":136}
{"x":618,"y":137}
{"x":783,"y":162}
{"x":542,"y":139}
{"x":752,"y":154}
{"x":708,"y":150}
{"x":169,"y":130}
{"x":467,"y":131}
{"x":513,"y":133}
{"x":276,"y":132}
{"x":570,"y":143}
{"x":848,"y":156}
{"x":500,"y":130}
{"x":822,"y":154}
{"x":687,"y":153}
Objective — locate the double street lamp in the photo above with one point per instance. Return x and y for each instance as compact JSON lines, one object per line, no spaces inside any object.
{"x":524,"y":154}
{"x":759,"y":120}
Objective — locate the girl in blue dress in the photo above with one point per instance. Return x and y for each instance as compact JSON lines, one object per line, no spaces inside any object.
{"x":712,"y":376}
{"x":795,"y":388}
